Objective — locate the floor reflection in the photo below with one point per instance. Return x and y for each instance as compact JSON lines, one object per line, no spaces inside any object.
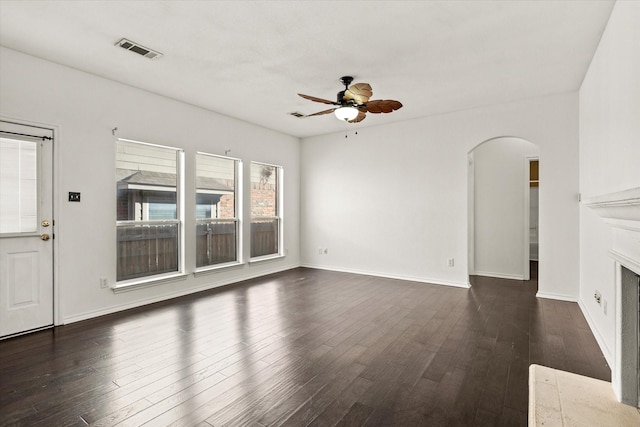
{"x":301,"y":346}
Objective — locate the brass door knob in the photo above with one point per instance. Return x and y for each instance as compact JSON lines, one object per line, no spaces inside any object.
{"x":44,"y":237}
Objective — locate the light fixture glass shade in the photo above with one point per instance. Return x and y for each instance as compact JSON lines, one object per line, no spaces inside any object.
{"x":346,"y":113}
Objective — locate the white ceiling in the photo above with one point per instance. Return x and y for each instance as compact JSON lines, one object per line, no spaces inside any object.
{"x":249,"y":59}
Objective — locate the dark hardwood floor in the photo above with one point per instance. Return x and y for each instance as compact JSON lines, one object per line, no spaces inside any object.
{"x":302,"y":347}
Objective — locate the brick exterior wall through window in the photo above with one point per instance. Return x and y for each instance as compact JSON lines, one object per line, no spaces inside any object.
{"x":263,"y":199}
{"x":227,"y":206}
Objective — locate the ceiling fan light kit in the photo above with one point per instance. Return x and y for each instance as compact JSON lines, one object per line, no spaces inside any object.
{"x":346,"y":113}
{"x":353,"y":103}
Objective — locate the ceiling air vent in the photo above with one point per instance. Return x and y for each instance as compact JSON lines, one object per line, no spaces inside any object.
{"x":296,"y":114}
{"x":139,"y":49}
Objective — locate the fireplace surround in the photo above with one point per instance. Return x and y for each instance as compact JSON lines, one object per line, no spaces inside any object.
{"x":621,"y":211}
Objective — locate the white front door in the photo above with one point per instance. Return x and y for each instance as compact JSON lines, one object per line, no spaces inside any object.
{"x":26,"y":228}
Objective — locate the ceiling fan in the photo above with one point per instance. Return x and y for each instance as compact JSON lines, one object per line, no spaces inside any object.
{"x":353,"y":102}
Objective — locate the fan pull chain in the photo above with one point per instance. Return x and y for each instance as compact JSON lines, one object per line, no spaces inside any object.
{"x":347,"y":125}
{"x":347,"y":136}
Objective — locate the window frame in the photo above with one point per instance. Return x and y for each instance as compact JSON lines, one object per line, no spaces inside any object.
{"x":279,"y":217}
{"x":238,"y":214}
{"x":158,"y":278}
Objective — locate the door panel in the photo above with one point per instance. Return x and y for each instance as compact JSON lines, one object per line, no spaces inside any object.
{"x":22,"y":275}
{"x":28,"y":305}
{"x":26,"y":249}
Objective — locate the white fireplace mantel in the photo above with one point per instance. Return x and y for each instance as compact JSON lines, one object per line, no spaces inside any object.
{"x":620,"y":208}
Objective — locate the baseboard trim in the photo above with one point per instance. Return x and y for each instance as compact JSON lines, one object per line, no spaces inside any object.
{"x":558,"y":297}
{"x":596,"y":333}
{"x":429,"y":281}
{"x":115,"y":309}
{"x":499,"y":275}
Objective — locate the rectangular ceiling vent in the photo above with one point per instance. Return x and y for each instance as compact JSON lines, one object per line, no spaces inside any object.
{"x":297,"y":114}
{"x":139,"y":49}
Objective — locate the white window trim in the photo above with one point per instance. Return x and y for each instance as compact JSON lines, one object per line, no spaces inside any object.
{"x":280,"y":210}
{"x":216,"y":267}
{"x":150,"y":144}
{"x":139,"y":283}
{"x":264,"y":258}
{"x":155,"y":279}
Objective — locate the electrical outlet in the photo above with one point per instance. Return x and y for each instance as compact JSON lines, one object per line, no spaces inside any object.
{"x":103,"y":282}
{"x":326,"y":251}
{"x":597,"y":297}
{"x":451,"y":262}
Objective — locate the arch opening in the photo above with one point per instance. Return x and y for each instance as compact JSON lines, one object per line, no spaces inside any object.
{"x":502,"y":209}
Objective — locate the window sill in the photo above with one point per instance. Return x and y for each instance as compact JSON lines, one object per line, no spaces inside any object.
{"x":215,"y":268}
{"x":266,"y":258}
{"x":134,"y":284}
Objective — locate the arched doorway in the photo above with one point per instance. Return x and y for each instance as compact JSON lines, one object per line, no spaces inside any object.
{"x":499,"y":206}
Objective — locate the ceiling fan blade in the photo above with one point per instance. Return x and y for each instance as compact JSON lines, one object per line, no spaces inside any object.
{"x":382,"y":106}
{"x":320,"y":113}
{"x":316,"y":99}
{"x":360,"y":117}
{"x":358,"y":93}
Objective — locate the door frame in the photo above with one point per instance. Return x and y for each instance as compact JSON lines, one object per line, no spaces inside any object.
{"x":527,"y":216}
{"x":55,"y":129}
{"x":471,"y":224}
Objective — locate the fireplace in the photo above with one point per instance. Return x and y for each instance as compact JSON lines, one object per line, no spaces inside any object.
{"x":629,"y":325}
{"x":622,"y":212}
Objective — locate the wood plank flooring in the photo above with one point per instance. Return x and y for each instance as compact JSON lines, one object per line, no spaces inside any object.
{"x":302,"y":347}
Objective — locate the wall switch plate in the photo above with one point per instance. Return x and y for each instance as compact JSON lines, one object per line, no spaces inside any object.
{"x":103,"y":282}
{"x":74,"y":196}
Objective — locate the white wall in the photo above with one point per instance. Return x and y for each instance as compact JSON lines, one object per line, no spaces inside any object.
{"x":392,"y":200}
{"x":609,"y":157}
{"x":500,"y":182}
{"x":85,"y":109}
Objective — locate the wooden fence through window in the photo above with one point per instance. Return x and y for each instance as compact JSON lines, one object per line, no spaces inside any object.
{"x":264,"y":237}
{"x":150,"y":249}
{"x":145,"y":250}
{"x":215,"y":243}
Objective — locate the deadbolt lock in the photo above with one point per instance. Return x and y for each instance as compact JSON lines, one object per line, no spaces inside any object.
{"x":44,"y":237}
{"x":45,"y":223}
